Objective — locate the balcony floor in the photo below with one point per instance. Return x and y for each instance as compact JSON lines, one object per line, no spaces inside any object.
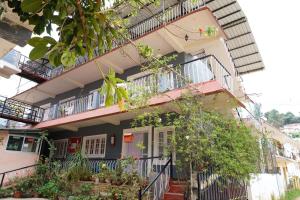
{"x":214,"y":98}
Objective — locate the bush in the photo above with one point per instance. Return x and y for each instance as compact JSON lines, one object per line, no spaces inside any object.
{"x":291,"y":195}
{"x":4,"y":193}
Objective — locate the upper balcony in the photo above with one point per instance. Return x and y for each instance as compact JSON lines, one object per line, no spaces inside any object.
{"x":206,"y":76}
{"x":165,"y":32}
{"x":19,"y":111}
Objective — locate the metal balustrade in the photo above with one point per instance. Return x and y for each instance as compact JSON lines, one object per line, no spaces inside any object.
{"x":200,"y":70}
{"x":40,"y":72}
{"x":145,"y":167}
{"x":20,"y":111}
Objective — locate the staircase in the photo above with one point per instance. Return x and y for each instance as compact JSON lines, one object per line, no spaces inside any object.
{"x":176,"y":190}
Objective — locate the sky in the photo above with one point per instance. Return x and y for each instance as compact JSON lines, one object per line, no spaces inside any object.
{"x":277,"y":32}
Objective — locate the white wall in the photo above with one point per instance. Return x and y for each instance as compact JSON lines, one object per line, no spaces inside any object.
{"x":263,"y":186}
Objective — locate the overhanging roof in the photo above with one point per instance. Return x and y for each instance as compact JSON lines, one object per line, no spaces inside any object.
{"x":240,"y":42}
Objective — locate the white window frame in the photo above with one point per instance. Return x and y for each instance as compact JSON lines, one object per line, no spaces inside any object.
{"x":66,"y":141}
{"x":23,"y":136}
{"x":165,"y":130}
{"x":100,"y":136}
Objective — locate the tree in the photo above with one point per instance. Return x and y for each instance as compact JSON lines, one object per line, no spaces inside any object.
{"x":206,"y":139}
{"x":257,"y":111}
{"x":274,"y":118}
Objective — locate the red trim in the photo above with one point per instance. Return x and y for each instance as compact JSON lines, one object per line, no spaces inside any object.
{"x":160,"y":27}
{"x":207,"y":88}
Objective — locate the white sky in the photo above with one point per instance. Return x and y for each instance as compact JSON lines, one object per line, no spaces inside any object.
{"x":275,"y":25}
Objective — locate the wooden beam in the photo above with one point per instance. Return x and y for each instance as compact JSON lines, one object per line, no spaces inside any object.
{"x":46,"y":93}
{"x":70,"y":128}
{"x":76,"y":83}
{"x":111,"y":121}
{"x":112,"y":65}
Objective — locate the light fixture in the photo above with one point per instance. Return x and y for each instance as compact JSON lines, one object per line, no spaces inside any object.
{"x":113,"y":139}
{"x":186,"y":37}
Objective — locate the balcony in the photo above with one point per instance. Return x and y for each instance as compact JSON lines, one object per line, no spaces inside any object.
{"x":19,"y":111}
{"x":9,"y":64}
{"x":40,"y":72}
{"x":195,"y":72}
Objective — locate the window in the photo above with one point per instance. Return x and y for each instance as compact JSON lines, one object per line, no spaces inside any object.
{"x":162,"y":141}
{"x":60,"y":148}
{"x":22,"y":143}
{"x":94,"y":146}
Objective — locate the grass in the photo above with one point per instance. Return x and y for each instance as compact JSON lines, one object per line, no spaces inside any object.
{"x":291,"y":195}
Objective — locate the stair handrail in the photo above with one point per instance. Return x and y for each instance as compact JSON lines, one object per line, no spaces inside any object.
{"x":3,"y":173}
{"x":143,"y":191}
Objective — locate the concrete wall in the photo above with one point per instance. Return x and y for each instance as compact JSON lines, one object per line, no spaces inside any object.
{"x":112,"y":151}
{"x":264,"y":186}
{"x":10,"y":160}
{"x":78,"y":92}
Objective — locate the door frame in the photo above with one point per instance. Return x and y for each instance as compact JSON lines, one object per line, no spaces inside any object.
{"x":164,"y":129}
{"x":145,"y":129}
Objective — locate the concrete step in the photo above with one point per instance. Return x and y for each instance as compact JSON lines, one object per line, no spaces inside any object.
{"x":173,"y":196}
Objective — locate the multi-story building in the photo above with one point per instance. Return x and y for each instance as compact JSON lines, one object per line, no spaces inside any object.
{"x":12,"y":32}
{"x":67,"y":103}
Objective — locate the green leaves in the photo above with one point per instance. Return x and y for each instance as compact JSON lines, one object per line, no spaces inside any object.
{"x":38,"y":52}
{"x":68,"y":58}
{"x":114,"y":88}
{"x":41,"y":46}
{"x":31,"y":6}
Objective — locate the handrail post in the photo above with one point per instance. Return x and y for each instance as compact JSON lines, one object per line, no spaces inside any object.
{"x":171,"y":166}
{"x":140,"y":194}
{"x":2,"y":180}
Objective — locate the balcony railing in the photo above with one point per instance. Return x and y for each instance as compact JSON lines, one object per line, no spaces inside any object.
{"x":43,"y":72}
{"x":200,"y":70}
{"x":19,"y":111}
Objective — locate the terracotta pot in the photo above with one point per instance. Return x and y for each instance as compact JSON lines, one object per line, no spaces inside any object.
{"x":17,"y":194}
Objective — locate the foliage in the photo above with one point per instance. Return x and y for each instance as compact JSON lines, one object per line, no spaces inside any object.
{"x":4,"y":193}
{"x":257,"y":111}
{"x":82,"y":26}
{"x":207,"y":139}
{"x":50,"y":190}
{"x":78,"y":169}
{"x":291,"y":195}
{"x":278,"y":119}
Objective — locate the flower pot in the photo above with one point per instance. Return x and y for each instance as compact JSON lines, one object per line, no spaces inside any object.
{"x":17,"y":194}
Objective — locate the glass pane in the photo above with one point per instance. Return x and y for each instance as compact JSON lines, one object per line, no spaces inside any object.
{"x":97,"y":146}
{"x":102,"y":146}
{"x":15,"y":143}
{"x":92,"y":146}
{"x":30,"y":145}
{"x":87,"y":146}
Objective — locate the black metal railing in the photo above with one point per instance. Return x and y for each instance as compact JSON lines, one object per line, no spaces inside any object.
{"x":35,"y":68}
{"x":20,"y":111}
{"x":160,"y":183}
{"x":39,"y":71}
{"x":8,"y":176}
{"x":211,"y":186}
